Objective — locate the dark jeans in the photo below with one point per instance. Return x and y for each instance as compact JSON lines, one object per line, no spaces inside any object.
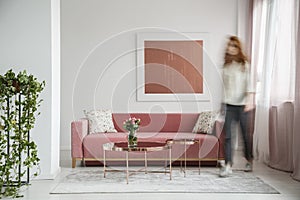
{"x":236,"y":113}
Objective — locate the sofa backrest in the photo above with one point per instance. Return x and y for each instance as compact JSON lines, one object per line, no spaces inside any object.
{"x":158,"y":122}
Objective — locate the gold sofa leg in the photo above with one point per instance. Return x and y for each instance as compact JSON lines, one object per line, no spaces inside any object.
{"x":73,"y":162}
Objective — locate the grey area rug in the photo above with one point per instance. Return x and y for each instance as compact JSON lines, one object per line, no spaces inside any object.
{"x":91,"y":180}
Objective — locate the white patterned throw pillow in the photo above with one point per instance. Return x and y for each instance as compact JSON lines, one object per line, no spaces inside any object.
{"x":100,"y":121}
{"x":205,"y":122}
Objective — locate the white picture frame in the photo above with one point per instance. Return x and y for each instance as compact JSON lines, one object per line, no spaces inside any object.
{"x":170,"y":36}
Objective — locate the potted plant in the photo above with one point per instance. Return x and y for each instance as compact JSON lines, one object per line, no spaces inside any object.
{"x":19,"y":103}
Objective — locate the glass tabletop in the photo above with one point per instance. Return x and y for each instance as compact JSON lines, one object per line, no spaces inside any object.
{"x":142,"y":146}
{"x":182,"y":141}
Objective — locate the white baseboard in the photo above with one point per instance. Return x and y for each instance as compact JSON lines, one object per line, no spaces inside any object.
{"x":48,"y":176}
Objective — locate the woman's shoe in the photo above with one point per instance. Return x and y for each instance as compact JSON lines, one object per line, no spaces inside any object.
{"x":248,"y":167}
{"x":225,"y":171}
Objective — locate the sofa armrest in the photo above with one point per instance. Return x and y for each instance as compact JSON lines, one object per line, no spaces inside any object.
{"x":220,"y":134}
{"x":79,"y":129}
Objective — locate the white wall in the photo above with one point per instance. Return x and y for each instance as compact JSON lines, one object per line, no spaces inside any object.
{"x":99,"y":58}
{"x":26,"y":44}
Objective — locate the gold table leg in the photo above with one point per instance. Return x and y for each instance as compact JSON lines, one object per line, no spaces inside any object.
{"x":146,"y":164}
{"x":127,"y":170}
{"x":184,"y":159}
{"x":104,"y":164}
{"x":170,"y":157}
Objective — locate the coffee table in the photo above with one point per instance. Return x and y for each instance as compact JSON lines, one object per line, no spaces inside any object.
{"x":143,"y":147}
{"x":184,"y":142}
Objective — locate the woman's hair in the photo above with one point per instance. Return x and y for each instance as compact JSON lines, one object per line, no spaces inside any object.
{"x":240,"y":57}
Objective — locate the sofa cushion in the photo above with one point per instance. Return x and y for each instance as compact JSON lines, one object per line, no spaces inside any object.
{"x":205,"y":122}
{"x":206,"y":148}
{"x":100,"y":121}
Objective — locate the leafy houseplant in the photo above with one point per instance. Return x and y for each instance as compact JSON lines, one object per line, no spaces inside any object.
{"x":19,"y":102}
{"x":132,"y":125}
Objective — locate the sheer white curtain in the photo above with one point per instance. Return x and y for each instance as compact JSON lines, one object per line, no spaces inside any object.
{"x":296,"y":135}
{"x":273,"y":58}
{"x":259,"y":43}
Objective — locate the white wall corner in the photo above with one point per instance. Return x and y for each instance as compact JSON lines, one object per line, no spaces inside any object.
{"x":56,"y":84}
{"x":48,"y":176}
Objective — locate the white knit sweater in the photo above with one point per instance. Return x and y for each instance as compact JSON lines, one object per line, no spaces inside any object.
{"x":236,"y":84}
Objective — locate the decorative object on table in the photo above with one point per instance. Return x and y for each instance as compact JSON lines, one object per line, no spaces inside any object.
{"x":19,"y":103}
{"x":132,"y":125}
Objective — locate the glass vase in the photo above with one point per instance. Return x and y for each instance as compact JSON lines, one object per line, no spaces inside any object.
{"x":132,"y":139}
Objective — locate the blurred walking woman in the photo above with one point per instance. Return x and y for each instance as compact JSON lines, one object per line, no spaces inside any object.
{"x":237,"y":100}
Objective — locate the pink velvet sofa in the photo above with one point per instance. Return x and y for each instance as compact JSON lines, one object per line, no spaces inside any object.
{"x":154,"y":127}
